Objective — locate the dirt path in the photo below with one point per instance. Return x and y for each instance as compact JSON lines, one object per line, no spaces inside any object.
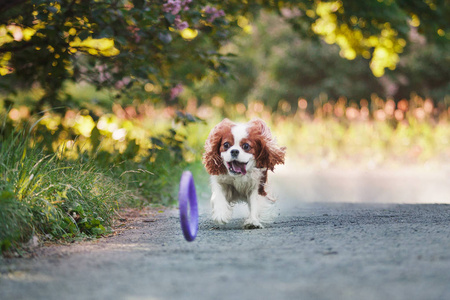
{"x":312,"y":251}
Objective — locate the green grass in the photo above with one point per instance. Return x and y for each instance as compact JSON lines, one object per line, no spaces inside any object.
{"x":43,"y":196}
{"x":56,"y":198}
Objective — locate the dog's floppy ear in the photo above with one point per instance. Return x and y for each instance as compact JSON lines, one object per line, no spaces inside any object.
{"x":270,"y":154}
{"x":211,"y":157}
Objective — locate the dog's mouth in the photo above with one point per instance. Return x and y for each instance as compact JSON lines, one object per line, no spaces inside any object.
{"x":237,"y":168}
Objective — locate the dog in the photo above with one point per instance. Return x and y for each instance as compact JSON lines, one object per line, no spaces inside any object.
{"x":238,"y":157}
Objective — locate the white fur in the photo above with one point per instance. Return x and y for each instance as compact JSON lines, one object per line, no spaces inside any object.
{"x":239,"y":132}
{"x":231,"y":188}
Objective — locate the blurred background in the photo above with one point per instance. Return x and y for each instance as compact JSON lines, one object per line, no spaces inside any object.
{"x":129,"y":90}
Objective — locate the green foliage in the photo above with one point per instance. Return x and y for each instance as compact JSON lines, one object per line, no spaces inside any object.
{"x":424,"y":70}
{"x":153,"y":177}
{"x":275,"y":65}
{"x":157,"y":177}
{"x":53,"y":199}
{"x":14,"y":218}
{"x":129,"y":44}
{"x":108,"y":43}
{"x":55,"y":191}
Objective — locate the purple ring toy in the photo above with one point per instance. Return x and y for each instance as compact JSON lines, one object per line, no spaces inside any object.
{"x":188,"y":216}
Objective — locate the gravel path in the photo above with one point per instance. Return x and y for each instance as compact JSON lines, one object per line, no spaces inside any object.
{"x":313,"y":250}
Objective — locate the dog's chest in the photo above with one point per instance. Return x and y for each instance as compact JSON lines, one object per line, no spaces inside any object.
{"x":242,"y":185}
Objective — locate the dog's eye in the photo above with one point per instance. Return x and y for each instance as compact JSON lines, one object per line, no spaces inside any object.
{"x":246,"y":146}
{"x":226,"y":145}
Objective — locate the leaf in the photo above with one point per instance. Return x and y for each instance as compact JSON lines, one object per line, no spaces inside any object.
{"x":157,"y":142}
{"x":5,"y":244}
{"x":170,"y":18}
{"x":138,"y":3}
{"x":180,"y":114}
{"x":106,"y":33}
{"x":52,"y":9}
{"x":84,"y":34}
{"x":95,"y":223}
{"x":165,"y":37}
{"x":190,"y":117}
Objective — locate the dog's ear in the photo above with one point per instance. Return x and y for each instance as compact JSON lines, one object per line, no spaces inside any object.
{"x":211,"y":157}
{"x":269,"y":153}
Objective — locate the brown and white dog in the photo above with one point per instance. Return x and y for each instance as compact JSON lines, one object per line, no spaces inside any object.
{"x":238,"y":157}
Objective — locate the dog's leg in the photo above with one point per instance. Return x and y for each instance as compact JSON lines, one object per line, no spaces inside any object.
{"x":261,"y":211}
{"x":221,"y":208}
{"x":255,"y":204}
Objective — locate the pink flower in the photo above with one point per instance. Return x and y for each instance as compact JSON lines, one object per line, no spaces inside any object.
{"x":176,"y":90}
{"x":213,"y":13}
{"x":121,"y":83}
{"x":172,"y":6}
{"x":208,"y":10}
{"x":185,"y":4}
{"x":175,"y":6}
{"x":180,"y":25}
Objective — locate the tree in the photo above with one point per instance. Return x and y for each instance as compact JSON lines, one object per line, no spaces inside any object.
{"x":274,"y":63}
{"x":108,"y":43}
{"x":124,"y":44}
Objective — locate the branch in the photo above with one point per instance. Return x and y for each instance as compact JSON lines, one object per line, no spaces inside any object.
{"x":20,"y":47}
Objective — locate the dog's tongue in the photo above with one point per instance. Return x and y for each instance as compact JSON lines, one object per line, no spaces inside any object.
{"x":238,"y":167}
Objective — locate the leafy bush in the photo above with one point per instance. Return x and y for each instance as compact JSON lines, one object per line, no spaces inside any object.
{"x":154,"y":176}
{"x":50,"y":198}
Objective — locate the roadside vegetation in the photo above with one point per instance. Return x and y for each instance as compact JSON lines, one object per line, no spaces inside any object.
{"x":104,"y":104}
{"x":42,"y":196}
{"x":55,"y":189}
{"x":65,"y":177}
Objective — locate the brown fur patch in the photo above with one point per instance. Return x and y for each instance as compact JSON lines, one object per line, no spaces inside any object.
{"x":267,"y":152}
{"x":262,"y":184}
{"x":220,"y":134}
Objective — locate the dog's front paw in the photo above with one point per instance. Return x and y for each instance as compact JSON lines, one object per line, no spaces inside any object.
{"x":221,"y":216}
{"x":252,"y":224}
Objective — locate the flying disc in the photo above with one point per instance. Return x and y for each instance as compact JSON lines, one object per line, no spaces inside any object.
{"x":187,"y":200}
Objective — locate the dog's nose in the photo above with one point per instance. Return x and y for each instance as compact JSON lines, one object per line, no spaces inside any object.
{"x":234,"y":153}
